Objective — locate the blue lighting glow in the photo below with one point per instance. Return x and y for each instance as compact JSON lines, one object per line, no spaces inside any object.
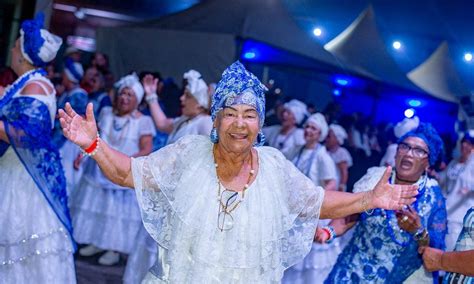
{"x":250,"y":55}
{"x":397,"y":45}
{"x":414,"y":103}
{"x":409,"y":113}
{"x":317,"y":32}
{"x":468,"y":57}
{"x":336,"y":92}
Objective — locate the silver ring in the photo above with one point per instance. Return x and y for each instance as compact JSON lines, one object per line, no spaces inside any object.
{"x":405,"y":218}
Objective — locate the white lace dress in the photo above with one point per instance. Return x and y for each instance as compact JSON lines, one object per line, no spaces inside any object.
{"x":105,"y":214}
{"x":273,"y":227}
{"x":34,"y":245}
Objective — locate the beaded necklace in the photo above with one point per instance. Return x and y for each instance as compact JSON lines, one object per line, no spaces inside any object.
{"x":390,"y":218}
{"x":19,"y":83}
{"x":224,"y":218}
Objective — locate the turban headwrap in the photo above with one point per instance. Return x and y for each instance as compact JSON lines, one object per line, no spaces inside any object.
{"x":132,"y":82}
{"x":298,"y":109}
{"x":38,"y":45}
{"x":339,"y":132}
{"x":429,"y":135}
{"x":197,"y":87}
{"x":239,"y":86}
{"x":320,"y":121}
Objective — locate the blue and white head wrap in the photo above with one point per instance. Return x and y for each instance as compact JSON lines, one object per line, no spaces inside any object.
{"x":38,"y":46}
{"x":428,"y":133}
{"x":239,"y":86}
{"x":74,"y":70}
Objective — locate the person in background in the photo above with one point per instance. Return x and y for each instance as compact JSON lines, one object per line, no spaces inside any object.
{"x":313,"y":160}
{"x":106,"y":216}
{"x":195,"y":103}
{"x":76,"y":97}
{"x":336,"y":136}
{"x":458,"y":263}
{"x":287,"y":136}
{"x":458,"y":183}
{"x":384,"y":246}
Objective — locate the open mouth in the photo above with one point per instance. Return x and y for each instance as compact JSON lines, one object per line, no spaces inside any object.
{"x":406,"y":164}
{"x":238,"y":136}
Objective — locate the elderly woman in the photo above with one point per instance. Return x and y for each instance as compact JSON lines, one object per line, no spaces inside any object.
{"x":458,"y":182}
{"x":195,"y":108}
{"x":221,"y":209}
{"x":106,"y":215}
{"x":385,"y":242}
{"x":313,"y":160}
{"x":35,"y":228}
{"x":287,"y":136}
{"x":339,"y":154}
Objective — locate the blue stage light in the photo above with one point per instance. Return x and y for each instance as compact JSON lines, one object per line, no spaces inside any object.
{"x":409,"y":113}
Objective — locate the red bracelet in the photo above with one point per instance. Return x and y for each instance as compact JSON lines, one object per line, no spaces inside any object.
{"x":92,"y":149}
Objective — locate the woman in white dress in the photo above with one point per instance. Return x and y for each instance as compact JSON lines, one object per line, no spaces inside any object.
{"x":313,"y":160}
{"x":458,"y":182}
{"x":35,"y":229}
{"x":105,"y":215}
{"x":287,"y":136}
{"x":222,"y":210}
{"x":195,"y":120}
{"x":343,"y":159}
{"x":195,"y":101}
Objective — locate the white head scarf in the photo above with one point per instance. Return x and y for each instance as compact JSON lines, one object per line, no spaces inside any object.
{"x":340,"y":133}
{"x":298,"y":108}
{"x":320,"y":121}
{"x":131,"y":81}
{"x":406,"y":125}
{"x":197,"y":87}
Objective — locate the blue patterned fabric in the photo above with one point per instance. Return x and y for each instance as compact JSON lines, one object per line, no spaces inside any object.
{"x":374,"y":256}
{"x":239,"y":86}
{"x":78,"y":99}
{"x":28,"y":127}
{"x":429,"y":134}
{"x":465,"y":242}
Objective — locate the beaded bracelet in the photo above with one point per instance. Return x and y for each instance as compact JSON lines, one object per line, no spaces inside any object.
{"x":331,"y":232}
{"x":93,"y":148}
{"x":151,"y":98}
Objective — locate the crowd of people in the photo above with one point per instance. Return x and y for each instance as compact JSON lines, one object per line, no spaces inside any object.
{"x":327,"y":199}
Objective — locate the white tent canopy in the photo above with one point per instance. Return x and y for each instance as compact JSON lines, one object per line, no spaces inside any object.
{"x":438,"y":76}
{"x":361,"y":45}
{"x":205,"y":36}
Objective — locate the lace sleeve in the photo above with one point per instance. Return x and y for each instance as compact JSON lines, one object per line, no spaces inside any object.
{"x":437,"y":226}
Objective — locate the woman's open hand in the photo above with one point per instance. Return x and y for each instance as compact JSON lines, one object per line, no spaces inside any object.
{"x":150,"y":84}
{"x":392,"y":196}
{"x":81,"y":131}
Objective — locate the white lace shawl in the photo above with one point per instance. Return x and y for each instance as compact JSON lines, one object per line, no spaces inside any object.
{"x":274,"y":226}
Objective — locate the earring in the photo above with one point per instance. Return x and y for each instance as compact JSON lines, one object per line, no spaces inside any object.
{"x":260,"y":139}
{"x":214,"y":136}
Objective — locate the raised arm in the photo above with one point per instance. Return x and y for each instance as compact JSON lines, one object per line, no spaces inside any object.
{"x":115,"y":165}
{"x":163,"y":123}
{"x":385,"y":195}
